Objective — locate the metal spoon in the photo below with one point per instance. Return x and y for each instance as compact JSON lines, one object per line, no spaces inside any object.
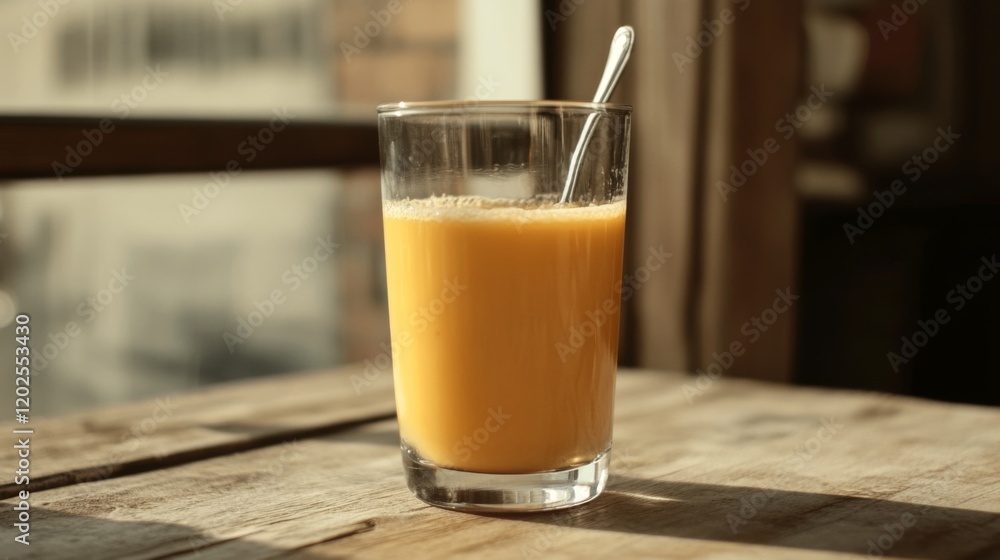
{"x":621,"y":48}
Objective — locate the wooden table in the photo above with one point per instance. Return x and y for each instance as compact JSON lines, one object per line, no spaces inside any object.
{"x":307,"y":466}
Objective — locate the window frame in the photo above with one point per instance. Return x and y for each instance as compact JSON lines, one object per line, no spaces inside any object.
{"x":31,"y":146}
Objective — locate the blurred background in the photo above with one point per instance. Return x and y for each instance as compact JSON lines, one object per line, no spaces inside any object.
{"x":167,"y":167}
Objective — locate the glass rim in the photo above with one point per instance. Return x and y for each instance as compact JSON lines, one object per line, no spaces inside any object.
{"x":458,"y":107}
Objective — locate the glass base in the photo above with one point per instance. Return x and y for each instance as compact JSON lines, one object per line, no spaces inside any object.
{"x":481,"y":492}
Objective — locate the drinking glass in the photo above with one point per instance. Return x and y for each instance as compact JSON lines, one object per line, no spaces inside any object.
{"x":503,"y":301}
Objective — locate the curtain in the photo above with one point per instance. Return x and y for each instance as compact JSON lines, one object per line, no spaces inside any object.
{"x":709,"y":81}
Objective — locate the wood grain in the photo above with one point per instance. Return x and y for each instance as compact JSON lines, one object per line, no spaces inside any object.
{"x":736,"y":469}
{"x":181,"y":428}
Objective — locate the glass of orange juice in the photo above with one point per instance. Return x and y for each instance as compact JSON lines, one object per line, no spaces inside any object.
{"x":503,"y":300}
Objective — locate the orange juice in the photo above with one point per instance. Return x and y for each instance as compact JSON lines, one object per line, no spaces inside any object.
{"x":504,"y":323}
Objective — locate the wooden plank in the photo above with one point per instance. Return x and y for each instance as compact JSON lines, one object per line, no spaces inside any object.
{"x":181,"y":428}
{"x":30,"y":147}
{"x":739,"y":469}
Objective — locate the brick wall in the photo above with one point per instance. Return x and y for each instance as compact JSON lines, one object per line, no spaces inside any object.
{"x":412,"y":57}
{"x":361,"y":266}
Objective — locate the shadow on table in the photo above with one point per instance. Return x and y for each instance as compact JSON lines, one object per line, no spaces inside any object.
{"x":868,"y":526}
{"x":266,"y":434}
{"x":387,"y":437}
{"x":56,"y":535}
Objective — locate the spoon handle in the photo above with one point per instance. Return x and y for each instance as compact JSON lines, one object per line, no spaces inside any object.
{"x":621,"y":49}
{"x":577,"y":159}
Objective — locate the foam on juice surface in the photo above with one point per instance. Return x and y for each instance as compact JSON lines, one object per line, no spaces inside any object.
{"x":496,"y":209}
